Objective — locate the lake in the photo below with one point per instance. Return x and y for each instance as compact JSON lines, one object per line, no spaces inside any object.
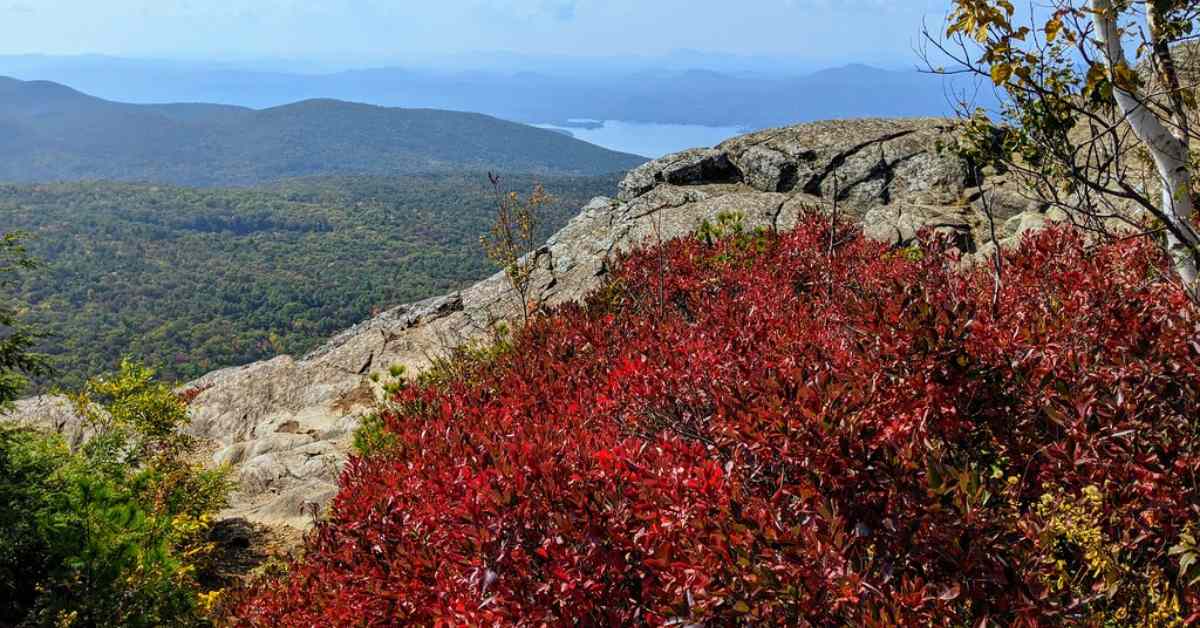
{"x":646,"y":139}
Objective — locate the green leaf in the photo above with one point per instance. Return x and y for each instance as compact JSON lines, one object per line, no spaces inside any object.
{"x":1186,"y":562}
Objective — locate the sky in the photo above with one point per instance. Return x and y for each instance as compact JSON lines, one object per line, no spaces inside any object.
{"x":372,"y":32}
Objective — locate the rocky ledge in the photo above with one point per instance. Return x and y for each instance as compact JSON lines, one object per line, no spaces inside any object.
{"x":285,"y":425}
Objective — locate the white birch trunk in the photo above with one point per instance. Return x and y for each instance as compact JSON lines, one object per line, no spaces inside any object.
{"x":1170,"y":153}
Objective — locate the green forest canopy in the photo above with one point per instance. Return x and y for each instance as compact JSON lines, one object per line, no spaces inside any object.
{"x":191,"y":280}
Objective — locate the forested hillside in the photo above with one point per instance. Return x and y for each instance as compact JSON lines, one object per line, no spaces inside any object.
{"x":192,"y":280}
{"x":49,"y":132}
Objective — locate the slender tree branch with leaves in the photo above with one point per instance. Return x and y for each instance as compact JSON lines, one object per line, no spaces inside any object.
{"x":512,"y":241}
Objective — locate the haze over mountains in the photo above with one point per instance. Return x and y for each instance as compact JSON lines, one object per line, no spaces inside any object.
{"x":746,"y":95}
{"x":50,"y":132}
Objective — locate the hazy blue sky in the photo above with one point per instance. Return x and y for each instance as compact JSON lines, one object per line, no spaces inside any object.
{"x":371,"y":31}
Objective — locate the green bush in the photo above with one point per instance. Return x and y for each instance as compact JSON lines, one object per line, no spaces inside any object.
{"x":372,"y":438}
{"x":731,"y":227}
{"x":112,"y":534}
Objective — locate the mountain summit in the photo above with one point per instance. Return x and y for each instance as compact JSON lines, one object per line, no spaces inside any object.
{"x":286,"y":424}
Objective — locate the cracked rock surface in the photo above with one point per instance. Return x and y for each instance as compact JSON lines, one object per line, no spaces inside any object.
{"x":285,"y":425}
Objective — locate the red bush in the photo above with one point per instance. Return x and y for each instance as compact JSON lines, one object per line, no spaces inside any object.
{"x":765,"y":433}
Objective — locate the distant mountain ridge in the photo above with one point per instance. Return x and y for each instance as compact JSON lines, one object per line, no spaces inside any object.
{"x":50,"y":132}
{"x":678,"y":94}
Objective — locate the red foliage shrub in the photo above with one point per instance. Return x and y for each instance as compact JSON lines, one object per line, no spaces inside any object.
{"x":784,"y":437}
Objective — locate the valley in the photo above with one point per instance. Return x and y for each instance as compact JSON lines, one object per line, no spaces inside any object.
{"x":191,"y":279}
{"x":195,"y":236}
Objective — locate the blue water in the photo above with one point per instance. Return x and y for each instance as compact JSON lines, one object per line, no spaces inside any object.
{"x":649,"y":139}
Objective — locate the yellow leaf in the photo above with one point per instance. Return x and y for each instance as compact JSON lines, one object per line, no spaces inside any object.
{"x":1096,"y":74}
{"x":1124,"y":77}
{"x":1001,"y":72}
{"x":1052,"y":29}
